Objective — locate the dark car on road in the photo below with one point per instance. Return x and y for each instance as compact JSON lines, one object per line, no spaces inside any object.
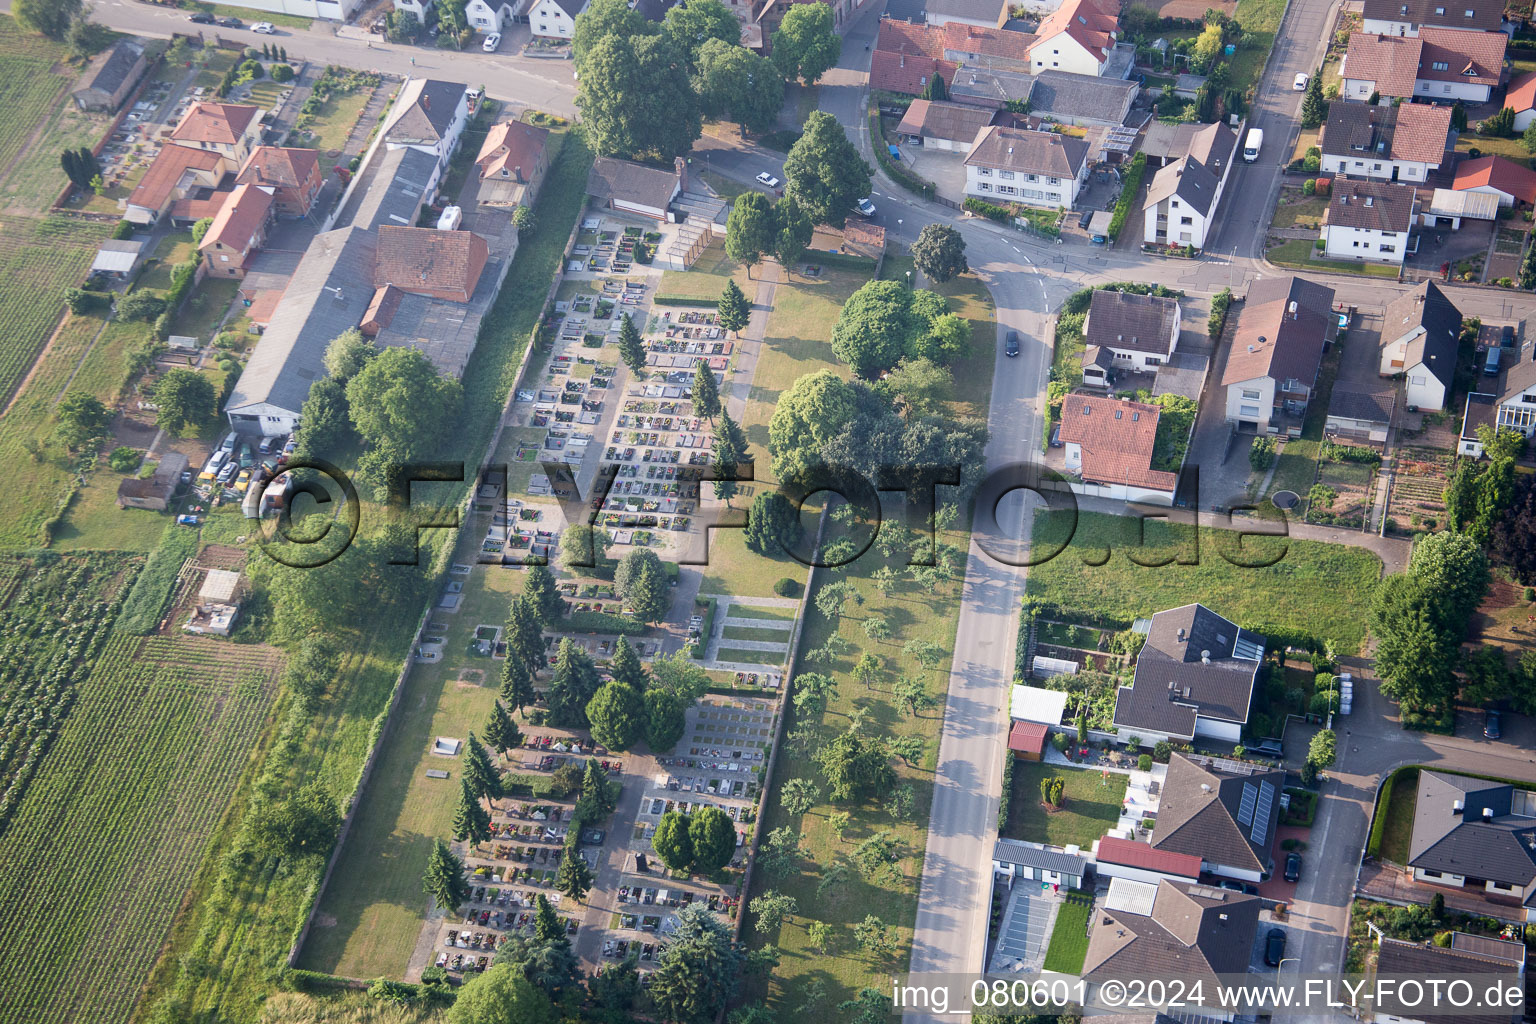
{"x":232,"y":23}
{"x":201,"y":19}
{"x":1011,"y":347}
{"x":1493,"y":722}
{"x":1274,"y":947}
{"x":1293,"y":867}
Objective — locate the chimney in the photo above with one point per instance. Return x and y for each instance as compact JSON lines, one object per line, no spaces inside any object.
{"x":681,"y":165}
{"x":1181,"y":633}
{"x":426,"y":101}
{"x":1205,"y":657}
{"x":1456,"y":808}
{"x":1487,"y":814}
{"x":1205,"y":787}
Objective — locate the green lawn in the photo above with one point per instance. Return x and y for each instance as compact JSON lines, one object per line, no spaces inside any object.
{"x":1298,"y":253}
{"x":1069,"y":936}
{"x":742,"y":656}
{"x":1510,"y":149}
{"x":706,"y":278}
{"x":174,"y":248}
{"x":1398,"y":830}
{"x":250,"y":15}
{"x":1307,"y":213}
{"x":755,"y":633}
{"x":1327,"y":586}
{"x":1091,"y":805}
{"x":1260,"y":20}
{"x":750,"y":611}
{"x":199,"y":318}
{"x":332,"y":123}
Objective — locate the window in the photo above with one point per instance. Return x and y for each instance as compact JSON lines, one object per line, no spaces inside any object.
{"x":1375,"y":167}
{"x":1250,"y":393}
{"x":1417,"y":382}
{"x":1153,"y":361}
{"x":1389,"y":248}
{"x":1031,"y":177}
{"x":1528,"y":399}
{"x":1248,"y":410}
{"x":1055,"y":181}
{"x":1431,"y":874}
{"x":1186,"y":220}
{"x":1439,"y":10}
{"x":1447,"y":89}
{"x":1440,"y":65}
{"x":985,"y":172}
{"x":1005,"y":175}
{"x":1007,"y":190}
{"x":984,"y":186}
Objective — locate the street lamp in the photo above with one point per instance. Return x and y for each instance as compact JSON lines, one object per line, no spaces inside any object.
{"x":909,"y":279}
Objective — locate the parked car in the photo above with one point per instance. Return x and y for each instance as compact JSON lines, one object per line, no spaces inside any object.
{"x":1274,"y":947}
{"x":1492,"y":722}
{"x":265,"y":28}
{"x":228,"y":472}
{"x":767,"y":179}
{"x":232,"y":23}
{"x":228,"y":444}
{"x":1011,"y":346}
{"x":201,"y":19}
{"x":492,"y":42}
{"x":1293,"y":867}
{"x":1056,"y":436}
{"x":866,"y":207}
{"x":1300,"y":84}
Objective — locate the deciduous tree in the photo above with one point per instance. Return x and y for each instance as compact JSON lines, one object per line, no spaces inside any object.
{"x":693,"y":24}
{"x":636,"y":99}
{"x":81,"y":417}
{"x":939,"y":252}
{"x":823,"y":172}
{"x":806,"y":45}
{"x":770,"y":909}
{"x":736,"y":84}
{"x":713,"y":838}
{"x":855,"y":767}
{"x":305,"y":824}
{"x":664,"y":719}
{"x":185,"y":399}
{"x":347,"y":354}
{"x":751,"y":229}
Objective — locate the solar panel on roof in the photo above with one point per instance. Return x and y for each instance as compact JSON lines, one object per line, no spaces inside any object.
{"x":1247,"y":649}
{"x":1261,"y":813}
{"x":1250,"y":799}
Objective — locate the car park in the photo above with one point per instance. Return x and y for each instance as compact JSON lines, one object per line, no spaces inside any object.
{"x":1293,"y":867}
{"x":1274,"y":947}
{"x":1056,"y":436}
{"x":492,"y":42}
{"x":767,"y":179}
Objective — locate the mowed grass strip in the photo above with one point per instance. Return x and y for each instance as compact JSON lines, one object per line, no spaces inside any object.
{"x":1069,"y":936}
{"x":1317,"y":589}
{"x":1090,"y":807}
{"x":757,"y":611}
{"x":756,"y":633}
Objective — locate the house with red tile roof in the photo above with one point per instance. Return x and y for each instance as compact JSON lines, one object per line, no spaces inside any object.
{"x":1282,"y":329}
{"x":178,"y":172}
{"x":1076,"y":37}
{"x":1440,"y":64}
{"x":1385,"y":143}
{"x":1497,"y":176}
{"x":994,"y":47}
{"x":229,"y":129}
{"x":512,"y":162}
{"x":1521,"y":98}
{"x":424,"y":261}
{"x":292,"y":177}
{"x":237,"y":231}
{"x":907,"y":56}
{"x":1109,"y":444}
{"x":1126,"y":858}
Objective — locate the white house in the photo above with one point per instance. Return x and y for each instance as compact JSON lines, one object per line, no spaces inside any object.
{"x":1282,"y":329}
{"x":429,"y":116}
{"x":1506,"y":180}
{"x":1075,"y":37}
{"x":487,"y":17}
{"x":1368,"y":221}
{"x":1385,"y":143}
{"x":1405,"y":17}
{"x":1181,"y":203}
{"x":416,"y":7}
{"x":1438,"y":64}
{"x":1128,"y":333}
{"x":1521,"y":98}
{"x":1021,"y":166}
{"x":1420,"y":335}
{"x":555,"y":19}
{"x":1194,"y":677}
{"x":1109,"y":446}
{"x":979,"y":13}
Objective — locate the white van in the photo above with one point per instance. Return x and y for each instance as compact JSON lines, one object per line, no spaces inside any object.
{"x":1253,"y":144}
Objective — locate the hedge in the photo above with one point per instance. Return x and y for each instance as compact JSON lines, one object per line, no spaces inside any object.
{"x":1383,"y":801}
{"x":683,"y":300}
{"x":1002,"y":805}
{"x":903,"y":177}
{"x":147,"y":600}
{"x":982,"y":208}
{"x":1220,"y":303}
{"x":603,"y":622}
{"x":1128,"y":193}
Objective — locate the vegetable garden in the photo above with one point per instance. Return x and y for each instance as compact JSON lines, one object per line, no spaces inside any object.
{"x":119,"y":817}
{"x":54,"y":614}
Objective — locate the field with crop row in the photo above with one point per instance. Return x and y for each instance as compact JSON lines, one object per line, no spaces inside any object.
{"x":100,"y":852}
{"x":38,"y":261}
{"x":54,"y":616}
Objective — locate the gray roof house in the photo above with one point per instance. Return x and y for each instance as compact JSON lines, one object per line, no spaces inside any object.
{"x":1052,"y":95}
{"x":1361,"y":410}
{"x":330,"y":291}
{"x":1192,"y":931}
{"x":1194,"y":677}
{"x":111,"y":76}
{"x":635,"y":188}
{"x":391,"y":189}
{"x":1420,"y":335}
{"x":1128,"y":333}
{"x":1225,"y":812}
{"x":1467,"y":955}
{"x":1474,"y":834}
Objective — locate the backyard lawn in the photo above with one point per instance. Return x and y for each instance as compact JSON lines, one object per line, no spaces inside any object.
{"x":1333,"y":584}
{"x":1090,"y":808}
{"x":1069,"y":936}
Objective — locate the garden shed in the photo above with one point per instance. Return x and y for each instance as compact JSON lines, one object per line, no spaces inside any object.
{"x":1037,"y":704}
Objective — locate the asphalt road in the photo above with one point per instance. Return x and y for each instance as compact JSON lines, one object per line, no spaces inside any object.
{"x":524,"y":81}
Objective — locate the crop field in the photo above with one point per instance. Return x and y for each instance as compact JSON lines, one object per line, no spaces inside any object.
{"x":54,"y":614}
{"x":38,"y":260}
{"x":28,"y":86}
{"x":103,"y":846}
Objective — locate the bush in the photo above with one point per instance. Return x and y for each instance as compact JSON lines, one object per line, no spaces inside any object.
{"x":981,"y":208}
{"x":81,"y":301}
{"x":1262,"y":455}
{"x":1128,"y":191}
{"x":905,"y":178}
{"x":123,"y":231}
{"x":787,"y":587}
{"x":1309,"y":187}
{"x":282,"y":73}
{"x":140,"y":305}
{"x":1529,"y":593}
{"x":1144,"y":762}
{"x":124,"y":459}
{"x":1220,"y":303}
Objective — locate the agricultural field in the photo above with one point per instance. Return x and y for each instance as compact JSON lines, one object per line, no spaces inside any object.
{"x":54,"y":615}
{"x":32,"y":80}
{"x":1093,"y":579}
{"x":118,"y":819}
{"x":38,"y":261}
